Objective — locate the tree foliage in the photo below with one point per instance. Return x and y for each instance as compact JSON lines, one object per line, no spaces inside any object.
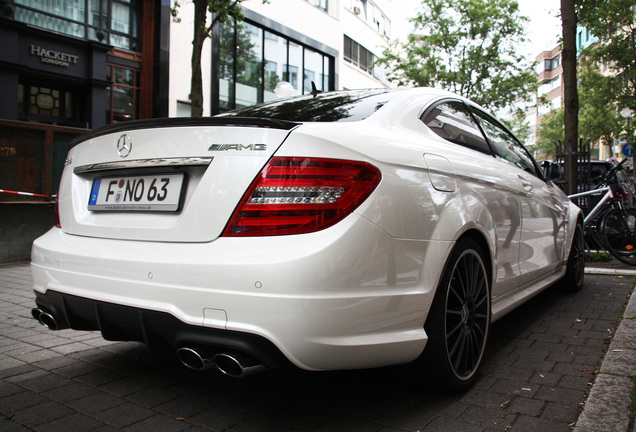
{"x":613,"y":23}
{"x":519,"y":125}
{"x":549,"y":131}
{"x":468,"y":47}
{"x":599,"y":119}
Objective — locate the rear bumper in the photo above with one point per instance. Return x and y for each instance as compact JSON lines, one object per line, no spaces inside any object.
{"x":155,"y":329}
{"x":343,"y":298}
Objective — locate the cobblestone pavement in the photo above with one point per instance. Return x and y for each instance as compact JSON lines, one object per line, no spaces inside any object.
{"x":539,"y":366}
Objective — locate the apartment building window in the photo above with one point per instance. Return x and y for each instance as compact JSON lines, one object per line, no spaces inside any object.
{"x":320,"y":4}
{"x":549,"y":85}
{"x":552,"y":64}
{"x":368,"y":12}
{"x":358,"y":55}
{"x":113,"y":22}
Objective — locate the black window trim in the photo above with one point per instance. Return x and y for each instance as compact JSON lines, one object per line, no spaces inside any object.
{"x":472,"y":109}
{"x":468,"y":107}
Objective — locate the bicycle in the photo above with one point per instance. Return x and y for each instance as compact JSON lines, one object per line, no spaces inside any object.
{"x":610,"y":224}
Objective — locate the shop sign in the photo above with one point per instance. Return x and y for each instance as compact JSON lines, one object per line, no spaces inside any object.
{"x":56,"y":58}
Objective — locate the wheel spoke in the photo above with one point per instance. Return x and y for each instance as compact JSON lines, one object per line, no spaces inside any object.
{"x":460,"y":345}
{"x":481,"y":331}
{"x":454,"y":330}
{"x":456,"y":343}
{"x":457,"y":295}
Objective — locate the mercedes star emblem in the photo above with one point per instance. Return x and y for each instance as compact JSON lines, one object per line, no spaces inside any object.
{"x":124,"y":145}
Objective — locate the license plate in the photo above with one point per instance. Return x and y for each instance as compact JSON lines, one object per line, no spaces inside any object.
{"x":156,"y":192}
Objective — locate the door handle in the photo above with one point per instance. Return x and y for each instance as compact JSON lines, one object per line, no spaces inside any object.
{"x":525,"y":183}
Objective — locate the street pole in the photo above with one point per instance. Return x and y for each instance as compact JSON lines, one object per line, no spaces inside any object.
{"x":628,"y":113}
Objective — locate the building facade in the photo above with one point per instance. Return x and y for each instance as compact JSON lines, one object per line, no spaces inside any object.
{"x":67,"y":66}
{"x":549,"y":73}
{"x":82,"y":63}
{"x":282,"y":48}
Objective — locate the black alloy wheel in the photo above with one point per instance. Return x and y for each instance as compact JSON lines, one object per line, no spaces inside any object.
{"x":459,"y":320}
{"x":575,"y":270}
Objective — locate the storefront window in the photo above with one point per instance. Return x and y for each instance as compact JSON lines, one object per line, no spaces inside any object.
{"x":275,"y":60}
{"x":249,"y":79}
{"x":313,"y":70}
{"x":116,"y":26}
{"x":252,"y":61}
{"x":123,"y":25}
{"x":47,"y":103}
{"x":123,"y":93}
{"x":294,"y":66}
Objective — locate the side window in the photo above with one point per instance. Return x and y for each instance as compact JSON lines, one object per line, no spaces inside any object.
{"x":506,"y":145}
{"x":453,"y":122}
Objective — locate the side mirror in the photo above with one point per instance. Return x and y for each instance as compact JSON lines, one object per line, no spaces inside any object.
{"x":551,"y":170}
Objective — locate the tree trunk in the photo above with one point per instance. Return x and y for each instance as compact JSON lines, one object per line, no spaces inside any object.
{"x":196,"y":83}
{"x":570,"y":93}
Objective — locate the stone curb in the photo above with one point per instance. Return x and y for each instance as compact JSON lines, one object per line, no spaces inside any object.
{"x":608,"y":405}
{"x":610,"y":271}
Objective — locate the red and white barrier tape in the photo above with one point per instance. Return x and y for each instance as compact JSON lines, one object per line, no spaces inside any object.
{"x":23,"y":193}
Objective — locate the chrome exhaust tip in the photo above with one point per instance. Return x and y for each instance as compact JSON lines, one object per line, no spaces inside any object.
{"x":45,"y":318}
{"x":194,"y":360}
{"x":48,"y":321}
{"x":237,"y":365}
{"x":35,"y":313}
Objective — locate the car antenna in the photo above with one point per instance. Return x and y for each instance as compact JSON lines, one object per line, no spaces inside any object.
{"x":314,"y":90}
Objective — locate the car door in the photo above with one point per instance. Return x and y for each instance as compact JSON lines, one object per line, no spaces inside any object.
{"x":542,"y":214}
{"x":453,"y":121}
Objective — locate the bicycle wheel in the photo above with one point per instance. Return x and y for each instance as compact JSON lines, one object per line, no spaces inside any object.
{"x":618,"y":232}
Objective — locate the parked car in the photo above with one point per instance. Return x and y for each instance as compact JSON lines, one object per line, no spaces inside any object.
{"x":341,"y":230}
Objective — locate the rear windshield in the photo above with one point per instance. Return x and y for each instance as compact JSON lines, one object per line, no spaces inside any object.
{"x":323,"y":107}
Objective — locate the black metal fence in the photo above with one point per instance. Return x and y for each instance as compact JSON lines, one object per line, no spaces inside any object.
{"x":583,"y":166}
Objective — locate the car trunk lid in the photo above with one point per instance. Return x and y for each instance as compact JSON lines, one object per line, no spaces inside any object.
{"x":174,"y":180}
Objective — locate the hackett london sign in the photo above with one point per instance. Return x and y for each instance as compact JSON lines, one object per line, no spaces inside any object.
{"x":53,"y":57}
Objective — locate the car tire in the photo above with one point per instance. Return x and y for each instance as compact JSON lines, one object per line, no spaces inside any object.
{"x":458,"y":323}
{"x":575,"y":268}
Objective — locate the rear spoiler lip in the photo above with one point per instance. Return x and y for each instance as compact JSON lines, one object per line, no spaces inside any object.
{"x":184,"y":122}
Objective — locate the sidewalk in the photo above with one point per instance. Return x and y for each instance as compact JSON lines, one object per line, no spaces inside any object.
{"x":609,"y":403}
{"x":539,"y":364}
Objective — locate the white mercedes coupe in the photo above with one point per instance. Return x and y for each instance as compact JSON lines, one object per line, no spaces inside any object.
{"x":339,"y":230}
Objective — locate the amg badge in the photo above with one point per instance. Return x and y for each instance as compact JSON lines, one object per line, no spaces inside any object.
{"x":238,"y":147}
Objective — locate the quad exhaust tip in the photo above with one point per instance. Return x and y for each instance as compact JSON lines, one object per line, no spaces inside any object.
{"x":237,"y":365}
{"x":193,"y":359}
{"x":45,"y":318}
{"x":231,"y":364}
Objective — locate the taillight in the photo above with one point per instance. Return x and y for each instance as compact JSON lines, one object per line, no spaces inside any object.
{"x":57,"y":213}
{"x":56,"y":207}
{"x":302,"y":195}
